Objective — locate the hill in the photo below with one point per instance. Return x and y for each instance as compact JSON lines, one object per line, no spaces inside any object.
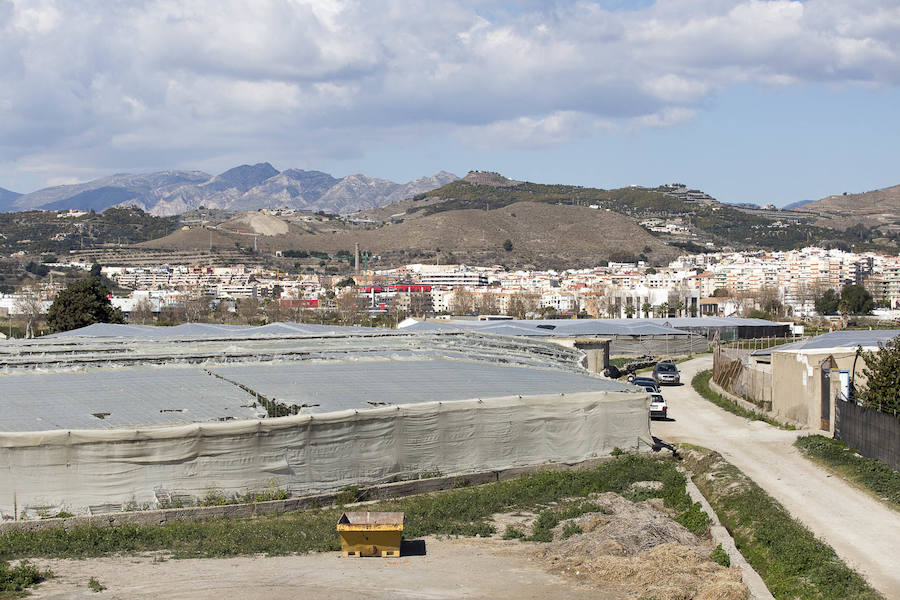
{"x":541,"y":235}
{"x":246,"y":187}
{"x":7,"y":197}
{"x":878,"y":209}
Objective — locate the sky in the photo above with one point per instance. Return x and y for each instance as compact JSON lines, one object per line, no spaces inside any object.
{"x":749,"y":100}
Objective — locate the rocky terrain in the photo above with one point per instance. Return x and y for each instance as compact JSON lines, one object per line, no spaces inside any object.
{"x":246,"y":187}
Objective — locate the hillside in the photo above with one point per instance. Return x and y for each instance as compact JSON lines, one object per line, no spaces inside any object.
{"x":879,"y":209}
{"x":246,"y":187}
{"x":541,"y":235}
{"x":7,"y":197}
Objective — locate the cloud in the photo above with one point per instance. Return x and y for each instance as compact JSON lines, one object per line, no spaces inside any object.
{"x":128,"y":85}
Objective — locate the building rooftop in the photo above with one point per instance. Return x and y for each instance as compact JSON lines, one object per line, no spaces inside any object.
{"x":846,"y":339}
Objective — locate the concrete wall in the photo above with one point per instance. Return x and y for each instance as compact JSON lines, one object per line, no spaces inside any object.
{"x":797,"y":384}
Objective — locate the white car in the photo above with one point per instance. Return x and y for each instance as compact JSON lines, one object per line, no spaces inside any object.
{"x":658,"y":407}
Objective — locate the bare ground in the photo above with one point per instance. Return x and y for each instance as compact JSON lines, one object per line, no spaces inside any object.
{"x":861,"y":530}
{"x":452,"y":568}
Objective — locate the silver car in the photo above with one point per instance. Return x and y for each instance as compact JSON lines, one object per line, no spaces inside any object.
{"x":666,"y":373}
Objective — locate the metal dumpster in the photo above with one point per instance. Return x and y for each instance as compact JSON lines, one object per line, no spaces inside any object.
{"x":370,"y":533}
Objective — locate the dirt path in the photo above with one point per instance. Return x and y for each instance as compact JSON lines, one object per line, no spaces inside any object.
{"x":862,"y":531}
{"x":452,"y":568}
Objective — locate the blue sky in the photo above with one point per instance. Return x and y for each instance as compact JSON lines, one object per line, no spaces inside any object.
{"x":749,"y":100}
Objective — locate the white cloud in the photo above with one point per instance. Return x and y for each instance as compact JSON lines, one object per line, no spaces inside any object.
{"x":214,"y":76}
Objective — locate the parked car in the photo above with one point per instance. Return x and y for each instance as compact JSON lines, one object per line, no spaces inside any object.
{"x":646,"y":382}
{"x":666,"y":372}
{"x":658,"y":407}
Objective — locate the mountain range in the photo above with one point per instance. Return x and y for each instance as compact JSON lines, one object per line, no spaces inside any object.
{"x":246,"y":187}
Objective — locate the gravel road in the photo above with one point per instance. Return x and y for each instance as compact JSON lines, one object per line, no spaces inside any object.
{"x":863,"y":531}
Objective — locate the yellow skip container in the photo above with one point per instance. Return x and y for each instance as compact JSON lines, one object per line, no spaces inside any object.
{"x":370,"y":533}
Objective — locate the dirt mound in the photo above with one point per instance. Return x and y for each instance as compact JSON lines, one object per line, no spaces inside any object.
{"x":256,"y":222}
{"x":624,"y":528}
{"x":667,"y":572}
{"x":639,"y":547}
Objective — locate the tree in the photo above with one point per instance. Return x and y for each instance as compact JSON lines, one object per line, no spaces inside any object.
{"x":721,"y":293}
{"x":827,"y":303}
{"x":882,"y":373}
{"x":348,"y":306}
{"x":198,"y":309}
{"x":856,"y":300}
{"x":520,"y":304}
{"x":247,"y":309}
{"x":487,"y":304}
{"x":420,"y":303}
{"x":82,"y":303}
{"x":463,"y":302}
{"x":507,"y":245}
{"x":646,"y":308}
{"x":29,"y":305}
{"x":142,"y":313}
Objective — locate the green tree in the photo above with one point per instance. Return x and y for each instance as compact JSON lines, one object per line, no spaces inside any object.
{"x":646,"y":307}
{"x":882,"y":372}
{"x":83,"y":303}
{"x":857,"y":300}
{"x":828,"y":302}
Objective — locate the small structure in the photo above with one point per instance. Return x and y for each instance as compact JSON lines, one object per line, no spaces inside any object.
{"x":370,"y":533}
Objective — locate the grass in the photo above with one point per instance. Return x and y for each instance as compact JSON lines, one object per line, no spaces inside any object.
{"x":460,"y":512}
{"x":871,"y":475}
{"x":95,"y":585}
{"x":14,"y":580}
{"x":791,"y":560}
{"x":700,"y":383}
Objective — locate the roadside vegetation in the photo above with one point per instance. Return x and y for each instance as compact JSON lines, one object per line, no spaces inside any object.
{"x":870,"y":474}
{"x":465,"y":511}
{"x":791,"y":560}
{"x":700,"y":383}
{"x":14,"y":580}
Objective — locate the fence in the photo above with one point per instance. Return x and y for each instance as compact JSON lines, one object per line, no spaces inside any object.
{"x":733,"y":372}
{"x":874,"y":434}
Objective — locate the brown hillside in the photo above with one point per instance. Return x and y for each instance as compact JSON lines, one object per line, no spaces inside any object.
{"x":543,"y":235}
{"x":879,"y":208}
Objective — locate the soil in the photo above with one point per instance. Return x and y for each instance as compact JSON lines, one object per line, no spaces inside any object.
{"x":641,"y":550}
{"x":861,"y":530}
{"x":451,"y":568}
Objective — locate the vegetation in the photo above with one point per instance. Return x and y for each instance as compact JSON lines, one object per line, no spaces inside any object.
{"x":720,"y":556}
{"x":789,"y":558}
{"x":700,"y":383}
{"x":43,"y":231}
{"x":870,"y":474}
{"x":82,"y":303}
{"x":851,"y":300}
{"x":14,"y":580}
{"x":465,"y":511}
{"x":95,"y":585}
{"x":882,"y":374}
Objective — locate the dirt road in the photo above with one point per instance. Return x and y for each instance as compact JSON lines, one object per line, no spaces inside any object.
{"x":862,"y":531}
{"x":451,"y":568}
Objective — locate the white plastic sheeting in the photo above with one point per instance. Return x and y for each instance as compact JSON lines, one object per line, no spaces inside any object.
{"x":102,"y":470}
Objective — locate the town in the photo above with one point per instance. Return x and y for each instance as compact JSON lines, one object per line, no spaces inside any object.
{"x":801,"y":285}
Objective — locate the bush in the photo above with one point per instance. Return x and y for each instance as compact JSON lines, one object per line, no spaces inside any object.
{"x":23,"y":575}
{"x":720,"y":556}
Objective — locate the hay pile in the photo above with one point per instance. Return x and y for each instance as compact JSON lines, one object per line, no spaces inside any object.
{"x":637,"y":547}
